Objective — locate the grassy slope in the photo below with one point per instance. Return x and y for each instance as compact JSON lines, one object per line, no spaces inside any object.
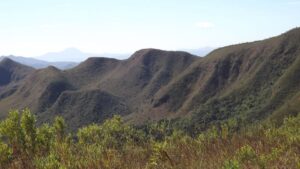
{"x":248,"y":81}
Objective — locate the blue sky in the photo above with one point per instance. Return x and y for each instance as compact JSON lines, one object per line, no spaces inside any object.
{"x":35,"y":27}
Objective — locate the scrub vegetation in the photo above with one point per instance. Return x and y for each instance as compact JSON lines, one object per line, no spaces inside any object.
{"x":118,"y":145}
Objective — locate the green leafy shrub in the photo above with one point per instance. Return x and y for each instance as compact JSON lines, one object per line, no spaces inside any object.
{"x":113,"y":133}
{"x":59,"y":127}
{"x":231,"y":164}
{"x":11,"y":131}
{"x":28,"y":122}
{"x":246,"y":154}
{"x":5,"y":155}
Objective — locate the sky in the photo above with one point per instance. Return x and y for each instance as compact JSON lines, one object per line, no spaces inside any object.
{"x":34,"y":27}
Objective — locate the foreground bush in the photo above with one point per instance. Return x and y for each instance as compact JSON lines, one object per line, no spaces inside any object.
{"x":116,"y":145}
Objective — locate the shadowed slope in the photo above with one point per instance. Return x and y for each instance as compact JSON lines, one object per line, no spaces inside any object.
{"x":11,"y":71}
{"x":86,"y":107}
{"x":38,"y":91}
{"x":11,"y":74}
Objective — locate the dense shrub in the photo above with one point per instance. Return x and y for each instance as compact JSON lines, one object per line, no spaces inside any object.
{"x":115,"y":144}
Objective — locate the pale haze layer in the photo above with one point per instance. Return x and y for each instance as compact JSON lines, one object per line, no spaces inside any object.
{"x":35,"y":27}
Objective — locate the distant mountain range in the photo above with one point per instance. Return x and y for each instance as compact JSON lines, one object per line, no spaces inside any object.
{"x":249,"y":82}
{"x":36,"y":63}
{"x":69,"y":55}
{"x":75,"y":55}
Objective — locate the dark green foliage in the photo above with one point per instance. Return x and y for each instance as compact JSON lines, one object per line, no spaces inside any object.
{"x":28,"y":122}
{"x":111,"y":134}
{"x":59,"y":127}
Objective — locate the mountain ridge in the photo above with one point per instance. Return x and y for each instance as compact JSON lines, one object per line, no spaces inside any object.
{"x":250,"y":81}
{"x":38,"y":64}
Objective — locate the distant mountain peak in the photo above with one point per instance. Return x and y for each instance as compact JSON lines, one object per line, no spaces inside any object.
{"x":68,"y":54}
{"x":72,"y":49}
{"x":68,"y":50}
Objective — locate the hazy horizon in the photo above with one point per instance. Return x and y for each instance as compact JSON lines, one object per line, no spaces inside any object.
{"x":33,"y":28}
{"x":76,"y":55}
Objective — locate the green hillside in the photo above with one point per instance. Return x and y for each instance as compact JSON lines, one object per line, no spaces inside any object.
{"x":250,"y":82}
